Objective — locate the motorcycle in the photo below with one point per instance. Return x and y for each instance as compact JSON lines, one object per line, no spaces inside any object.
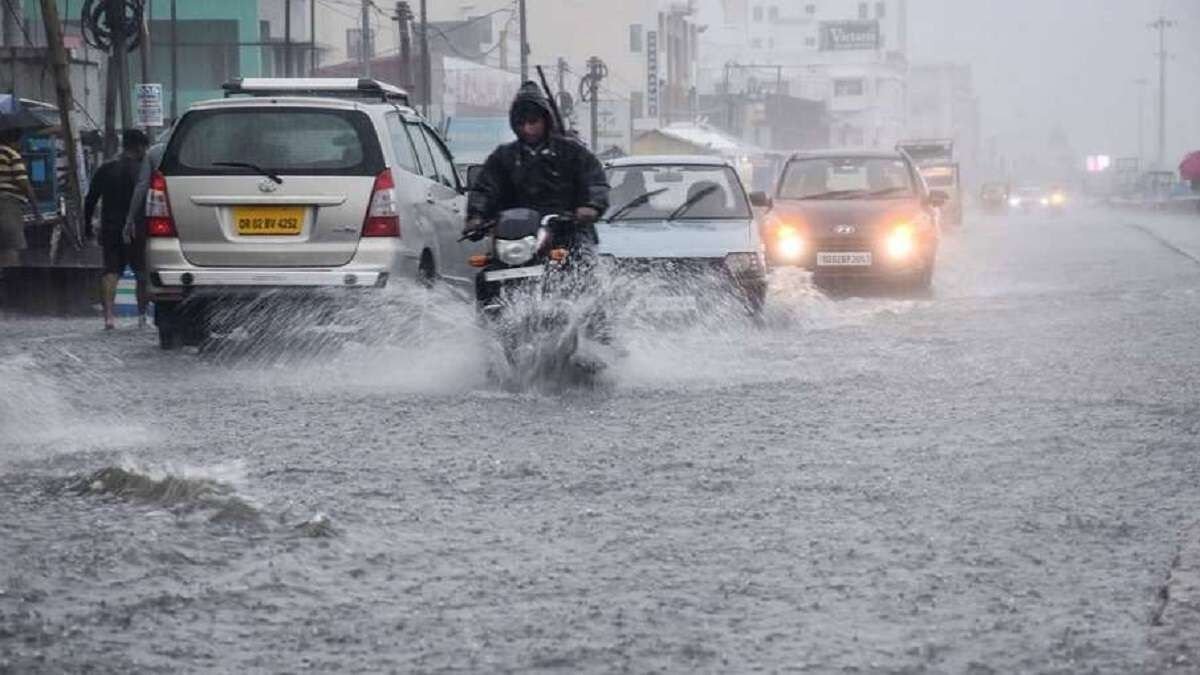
{"x":530,"y":292}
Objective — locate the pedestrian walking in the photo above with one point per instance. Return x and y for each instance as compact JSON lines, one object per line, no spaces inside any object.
{"x":113,"y":186}
{"x":16,"y":194}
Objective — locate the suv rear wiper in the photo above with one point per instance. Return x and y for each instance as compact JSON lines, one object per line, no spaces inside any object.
{"x":253,"y":167}
{"x":634,"y":203}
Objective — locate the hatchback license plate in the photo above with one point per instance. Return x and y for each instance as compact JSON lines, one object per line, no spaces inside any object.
{"x":856,"y":259}
{"x":270,"y":221}
{"x":514,"y":273}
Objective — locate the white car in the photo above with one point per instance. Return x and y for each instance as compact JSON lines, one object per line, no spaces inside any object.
{"x":680,"y":222}
{"x":291,"y":185}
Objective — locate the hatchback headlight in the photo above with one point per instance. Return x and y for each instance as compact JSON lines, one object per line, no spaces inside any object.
{"x":902,"y":241}
{"x":516,"y":251}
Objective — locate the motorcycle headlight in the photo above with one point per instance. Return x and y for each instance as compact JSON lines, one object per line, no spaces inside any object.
{"x":743,"y":263}
{"x":516,"y":251}
{"x":1014,"y":201}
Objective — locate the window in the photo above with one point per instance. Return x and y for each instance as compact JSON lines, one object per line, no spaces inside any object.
{"x":756,"y":43}
{"x":810,"y":9}
{"x":880,"y":10}
{"x":635,"y":38}
{"x":441,"y":159}
{"x":293,"y":141}
{"x":773,"y":13}
{"x":758,"y":13}
{"x":637,"y":104}
{"x":716,"y":192}
{"x":770,"y":43}
{"x":848,"y":87}
{"x":406,"y":155}
{"x":428,"y":169}
{"x":886,"y":177}
{"x":810,"y":41}
{"x":863,"y":11}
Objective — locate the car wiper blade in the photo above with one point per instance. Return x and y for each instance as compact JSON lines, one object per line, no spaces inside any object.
{"x":692,"y":201}
{"x":834,"y":194}
{"x":887,"y":191}
{"x":634,"y":203}
{"x":253,"y":167}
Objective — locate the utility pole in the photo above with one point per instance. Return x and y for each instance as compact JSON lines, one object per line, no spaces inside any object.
{"x":402,"y":18}
{"x":121,"y":57}
{"x":524,"y":43}
{"x":144,"y":41}
{"x":174,"y":63}
{"x":589,"y":92}
{"x":1161,"y":26}
{"x":426,"y":74}
{"x":364,"y":44}
{"x":1142,"y":83}
{"x":66,"y":104}
{"x":287,"y":38}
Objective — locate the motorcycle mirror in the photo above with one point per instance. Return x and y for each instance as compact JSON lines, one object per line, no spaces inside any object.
{"x":760,"y":199}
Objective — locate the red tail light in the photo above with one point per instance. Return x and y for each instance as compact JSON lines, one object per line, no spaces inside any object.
{"x":383,"y":216}
{"x":159,"y":222}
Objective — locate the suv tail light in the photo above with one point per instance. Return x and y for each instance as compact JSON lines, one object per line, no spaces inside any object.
{"x":383,"y":216}
{"x":159,"y":222}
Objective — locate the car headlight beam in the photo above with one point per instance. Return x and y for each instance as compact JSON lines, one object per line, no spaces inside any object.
{"x":901,"y":242}
{"x":516,"y":251}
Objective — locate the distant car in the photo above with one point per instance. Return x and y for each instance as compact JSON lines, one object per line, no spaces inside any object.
{"x":855,"y":214}
{"x":994,"y":197}
{"x":1030,"y":198}
{"x":679,"y":222}
{"x":290,"y":186}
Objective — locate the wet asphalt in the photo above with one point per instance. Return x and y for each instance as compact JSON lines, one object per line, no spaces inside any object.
{"x":1001,"y":477}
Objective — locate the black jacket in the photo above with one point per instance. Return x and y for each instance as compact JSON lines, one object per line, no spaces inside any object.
{"x":558,"y":176}
{"x":112,"y":186}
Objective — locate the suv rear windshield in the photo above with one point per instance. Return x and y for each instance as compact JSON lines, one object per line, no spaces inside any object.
{"x":284,"y":141}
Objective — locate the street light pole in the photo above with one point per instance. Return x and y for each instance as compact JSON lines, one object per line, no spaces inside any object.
{"x":1142,"y":83}
{"x":364,"y":43}
{"x":524,"y":43}
{"x":1161,"y":26}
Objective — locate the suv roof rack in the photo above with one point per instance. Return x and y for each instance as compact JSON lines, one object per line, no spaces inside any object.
{"x":329,"y":87}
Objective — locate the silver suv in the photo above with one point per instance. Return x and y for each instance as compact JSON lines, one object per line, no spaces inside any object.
{"x":295,"y":185}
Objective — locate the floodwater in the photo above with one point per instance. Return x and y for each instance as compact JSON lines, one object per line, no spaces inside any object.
{"x":999,"y":477}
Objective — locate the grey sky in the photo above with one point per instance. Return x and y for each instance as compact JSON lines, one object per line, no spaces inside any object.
{"x":1038,"y":63}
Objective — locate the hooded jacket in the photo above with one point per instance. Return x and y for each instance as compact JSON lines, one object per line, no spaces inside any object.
{"x":557,"y":176}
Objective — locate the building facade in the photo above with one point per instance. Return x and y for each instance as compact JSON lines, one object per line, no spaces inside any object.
{"x":849,"y":54}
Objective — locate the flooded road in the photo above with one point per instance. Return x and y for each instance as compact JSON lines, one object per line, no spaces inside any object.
{"x":997,"y":478}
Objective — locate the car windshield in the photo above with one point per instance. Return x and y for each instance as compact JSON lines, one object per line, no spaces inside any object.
{"x":280,"y":141}
{"x":846,"y":177}
{"x":715,"y":192}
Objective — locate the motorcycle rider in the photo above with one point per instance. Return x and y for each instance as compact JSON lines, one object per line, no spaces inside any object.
{"x":542,"y":170}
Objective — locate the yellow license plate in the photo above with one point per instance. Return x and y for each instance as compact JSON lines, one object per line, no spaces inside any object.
{"x":268,"y":220}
